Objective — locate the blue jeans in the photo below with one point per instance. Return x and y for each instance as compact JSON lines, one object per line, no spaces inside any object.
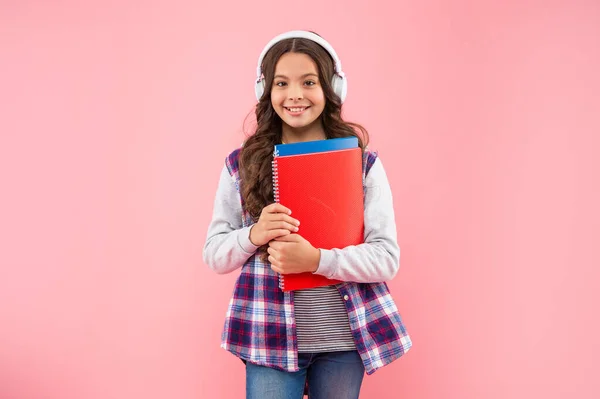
{"x":330,"y":375}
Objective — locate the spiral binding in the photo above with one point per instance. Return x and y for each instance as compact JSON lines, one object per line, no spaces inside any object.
{"x":275,"y":176}
{"x":276,"y":197}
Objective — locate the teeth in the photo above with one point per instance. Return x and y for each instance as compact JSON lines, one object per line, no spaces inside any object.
{"x":296,"y":109}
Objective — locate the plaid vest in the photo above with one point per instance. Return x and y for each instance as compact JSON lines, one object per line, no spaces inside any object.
{"x":260,"y":326}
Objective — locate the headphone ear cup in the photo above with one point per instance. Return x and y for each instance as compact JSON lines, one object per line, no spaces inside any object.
{"x":340,"y":86}
{"x":259,"y":88}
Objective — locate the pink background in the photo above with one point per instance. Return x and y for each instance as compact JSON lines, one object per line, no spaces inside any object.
{"x":114,"y":123}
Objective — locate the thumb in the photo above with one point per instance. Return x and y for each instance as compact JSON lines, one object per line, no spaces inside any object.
{"x":288,"y":238}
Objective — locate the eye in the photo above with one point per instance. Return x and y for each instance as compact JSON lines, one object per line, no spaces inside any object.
{"x":310,"y":83}
{"x":280,"y":84}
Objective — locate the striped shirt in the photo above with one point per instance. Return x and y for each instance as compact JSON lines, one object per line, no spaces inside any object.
{"x":322,"y":321}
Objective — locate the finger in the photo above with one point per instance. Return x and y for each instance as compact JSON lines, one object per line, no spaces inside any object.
{"x":276,"y":269}
{"x":289,"y":219}
{"x":278,"y":208}
{"x":274,"y":245}
{"x":272,"y":212}
{"x":280,"y":217}
{"x":273,"y":261}
{"x":274,"y":234}
{"x":288,"y":238}
{"x":280,"y":224}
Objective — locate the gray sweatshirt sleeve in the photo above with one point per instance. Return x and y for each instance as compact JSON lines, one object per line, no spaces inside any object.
{"x":378,"y":258}
{"x":227,"y":245}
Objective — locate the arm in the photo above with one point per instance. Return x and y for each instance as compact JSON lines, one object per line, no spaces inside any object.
{"x":378,"y":258}
{"x":227,"y":245}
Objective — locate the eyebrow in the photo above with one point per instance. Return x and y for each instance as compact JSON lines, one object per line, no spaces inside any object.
{"x":303,"y":76}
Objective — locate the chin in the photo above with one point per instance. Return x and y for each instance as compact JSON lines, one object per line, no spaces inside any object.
{"x":298,"y":125}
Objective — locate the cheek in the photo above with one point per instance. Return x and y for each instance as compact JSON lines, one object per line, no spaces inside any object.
{"x":276,"y":98}
{"x":276,"y":103}
{"x":319,"y":98}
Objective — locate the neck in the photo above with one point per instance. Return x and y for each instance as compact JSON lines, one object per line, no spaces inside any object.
{"x":307,"y":133}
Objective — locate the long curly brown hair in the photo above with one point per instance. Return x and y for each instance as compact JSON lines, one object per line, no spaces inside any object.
{"x":256,"y":155}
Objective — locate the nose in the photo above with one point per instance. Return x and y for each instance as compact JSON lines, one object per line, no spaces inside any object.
{"x":295,"y":92}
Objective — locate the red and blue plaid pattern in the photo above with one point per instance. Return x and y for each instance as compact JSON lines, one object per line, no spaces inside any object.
{"x":260,"y":326}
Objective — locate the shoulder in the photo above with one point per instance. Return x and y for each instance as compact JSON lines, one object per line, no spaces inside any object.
{"x":232,"y":161}
{"x":369,"y":158}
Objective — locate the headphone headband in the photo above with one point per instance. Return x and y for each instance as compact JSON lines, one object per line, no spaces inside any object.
{"x":300,"y":34}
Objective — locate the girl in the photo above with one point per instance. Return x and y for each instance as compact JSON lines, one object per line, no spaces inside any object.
{"x":324,"y":337}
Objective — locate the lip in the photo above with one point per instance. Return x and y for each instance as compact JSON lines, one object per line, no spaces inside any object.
{"x":287,"y":109}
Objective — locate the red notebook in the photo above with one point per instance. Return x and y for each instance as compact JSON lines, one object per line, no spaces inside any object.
{"x":324,"y":190}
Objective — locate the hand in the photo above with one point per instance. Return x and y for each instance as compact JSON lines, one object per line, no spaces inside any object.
{"x":274,"y":221}
{"x":292,"y":253}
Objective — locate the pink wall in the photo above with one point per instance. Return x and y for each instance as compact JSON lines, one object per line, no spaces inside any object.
{"x":114,"y":122}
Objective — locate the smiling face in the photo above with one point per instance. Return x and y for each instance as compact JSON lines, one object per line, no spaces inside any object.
{"x":298,"y":98}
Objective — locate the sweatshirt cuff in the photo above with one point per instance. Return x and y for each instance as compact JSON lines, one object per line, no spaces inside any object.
{"x":326,"y":263}
{"x":244,"y":240}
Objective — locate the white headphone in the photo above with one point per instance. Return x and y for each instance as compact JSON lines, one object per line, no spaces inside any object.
{"x":338,"y":82}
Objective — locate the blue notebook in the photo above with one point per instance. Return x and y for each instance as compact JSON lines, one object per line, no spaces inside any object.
{"x":309,"y":147}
